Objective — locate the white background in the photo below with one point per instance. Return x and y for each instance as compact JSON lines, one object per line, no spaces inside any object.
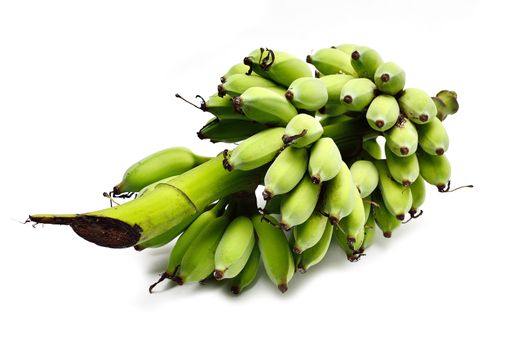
{"x":87,"y":88}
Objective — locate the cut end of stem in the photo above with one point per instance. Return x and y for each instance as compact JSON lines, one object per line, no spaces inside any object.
{"x":424,"y":117}
{"x":347,"y":99}
{"x":356,"y":55}
{"x":289,"y":95}
{"x":385,"y":77}
{"x":404,"y":151}
{"x":316,"y":179}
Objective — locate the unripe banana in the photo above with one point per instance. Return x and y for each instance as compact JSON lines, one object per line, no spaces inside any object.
{"x":370,"y":232}
{"x":347,"y":48}
{"x":418,"y":191}
{"x":222,"y":108}
{"x":365,"y":61}
{"x":255,"y":151}
{"x":334,"y":84}
{"x":333,"y":109}
{"x":236,"y":84}
{"x":299,"y":204}
{"x":357,"y":94}
{"x":229,"y":130}
{"x":328,"y":120}
{"x":402,"y":139}
{"x":278,"y":66}
{"x":383,"y":112}
{"x":234,"y":248}
{"x":248,"y":274}
{"x":365,"y":176}
{"x":273,"y":205}
{"x":315,"y":254}
{"x":433,"y":138}
{"x":436,"y":170}
{"x":275,"y":251}
{"x":353,"y":224}
{"x":384,"y":219}
{"x":325,"y":160}
{"x":449,"y":98}
{"x":340,"y":196}
{"x":302,"y":130}
{"x":198,"y":261}
{"x":331,"y":61}
{"x":285,"y":172}
{"x":264,"y":106}
{"x":367,"y":203}
{"x":307,"y":93}
{"x":417,"y":105}
{"x":397,"y":198}
{"x":239,"y":68}
{"x":158,"y":166}
{"x":373,"y":148}
{"x":352,"y":253}
{"x":404,"y":170}
{"x":309,"y":233}
{"x":389,"y":78}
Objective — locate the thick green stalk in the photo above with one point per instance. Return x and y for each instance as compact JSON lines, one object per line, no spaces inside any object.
{"x":169,"y":205}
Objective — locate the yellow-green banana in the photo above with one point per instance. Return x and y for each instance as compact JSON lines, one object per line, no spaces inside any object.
{"x":449,"y":98}
{"x":417,"y":105}
{"x":346,"y":48}
{"x":255,"y":151}
{"x":418,"y":191}
{"x":352,"y":253}
{"x":285,"y":172}
{"x":372,"y":148}
{"x":278,"y":66}
{"x":353,"y":224}
{"x":433,"y":138}
{"x":404,"y":170}
{"x":302,"y":130}
{"x":365,"y":61}
{"x":370,"y":231}
{"x":309,"y":233}
{"x":234,"y":248}
{"x":402,"y":139}
{"x":158,"y":166}
{"x":365,"y":176}
{"x":384,"y":219}
{"x":389,"y":78}
{"x":357,"y":94}
{"x":383,"y":112}
{"x":299,"y":204}
{"x":340,"y":195}
{"x":239,"y":68}
{"x":236,"y":84}
{"x":331,"y":61}
{"x":315,"y":254}
{"x":275,"y":251}
{"x":325,"y":160}
{"x":248,"y":273}
{"x":307,"y":93}
{"x":229,"y":130}
{"x":222,"y":108}
{"x":334,"y":84}
{"x":265,"y":106}
{"x":397,"y":198}
{"x":436,"y":170}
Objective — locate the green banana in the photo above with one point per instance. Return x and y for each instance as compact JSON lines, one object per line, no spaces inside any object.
{"x":418,"y":191}
{"x":372,"y":148}
{"x":278,"y":66}
{"x":365,"y":61}
{"x":157,"y":166}
{"x":389,"y":78}
{"x":433,"y":138}
{"x":436,"y":170}
{"x":340,"y":196}
{"x":229,"y":130}
{"x":352,"y":253}
{"x":417,"y":105}
{"x":297,"y":206}
{"x":234,"y":248}
{"x":331,"y":61}
{"x":239,"y":68}
{"x":367,"y":203}
{"x":285,"y":172}
{"x":248,"y":273}
{"x":402,"y":139}
{"x":309,"y":233}
{"x":365,"y":176}
{"x":370,"y":232}
{"x":302,"y":130}
{"x":334,"y":84}
{"x":353,"y":224}
{"x":255,"y":151}
{"x":328,"y":120}
{"x":312,"y":256}
{"x":273,"y":205}
{"x":385,"y":220}
{"x":357,"y":94}
{"x":346,"y":48}
{"x":449,"y":99}
{"x":333,"y":109}
{"x":397,"y":198}
{"x":275,"y":251}
{"x":265,"y":106}
{"x":403,"y":170}
{"x":221,"y":107}
{"x":198,"y":262}
{"x":307,"y":93}
{"x":383,"y":112}
{"x":236,"y":84}
{"x":325,"y":160}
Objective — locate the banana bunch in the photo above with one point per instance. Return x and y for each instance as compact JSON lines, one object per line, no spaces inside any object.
{"x":332,"y":146}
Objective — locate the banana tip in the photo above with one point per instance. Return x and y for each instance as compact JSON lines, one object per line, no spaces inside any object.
{"x":235,"y":290}
{"x":218,"y":274}
{"x":387,"y":234}
{"x":283,"y":287}
{"x":179,"y":280}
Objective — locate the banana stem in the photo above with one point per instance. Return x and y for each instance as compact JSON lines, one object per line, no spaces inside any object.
{"x":169,"y":205}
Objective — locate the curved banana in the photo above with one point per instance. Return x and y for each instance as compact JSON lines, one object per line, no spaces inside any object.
{"x":222,"y":108}
{"x":433,"y":138}
{"x":352,"y":253}
{"x":297,"y":206}
{"x":384,"y":219}
{"x":397,"y":198}
{"x":402,"y":139}
{"x":334,"y":84}
{"x":383,"y":112}
{"x":365,"y":61}
{"x":307,"y":93}
{"x":234,"y":248}
{"x":313,"y":256}
{"x":365,"y":176}
{"x":285,"y":172}
{"x":325,"y":160}
{"x":236,"y":84}
{"x":449,"y":99}
{"x":417,"y":105}
{"x":331,"y":61}
{"x":346,"y":48}
{"x":239,"y":68}
{"x":436,"y":170}
{"x":248,"y":273}
{"x":370,"y":232}
{"x":229,"y":131}
{"x":309,"y":233}
{"x":372,"y":148}
{"x":265,"y":106}
{"x":255,"y":151}
{"x":403,"y":170}
{"x":275,"y":251}
{"x":302,"y":130}
{"x":389,"y":78}
{"x":418,"y":191}
{"x":353,"y":224}
{"x":357,"y":94}
{"x":340,"y":196}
